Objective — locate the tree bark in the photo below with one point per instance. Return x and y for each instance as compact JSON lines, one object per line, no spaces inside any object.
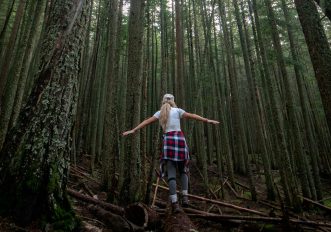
{"x":34,"y":160}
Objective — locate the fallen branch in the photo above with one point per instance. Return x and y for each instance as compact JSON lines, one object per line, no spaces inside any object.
{"x":317,"y":204}
{"x":74,"y":169}
{"x":221,"y":203}
{"x":232,"y":190}
{"x":113,"y":208}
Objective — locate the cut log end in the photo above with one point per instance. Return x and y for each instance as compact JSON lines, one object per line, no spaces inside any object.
{"x":142,"y":215}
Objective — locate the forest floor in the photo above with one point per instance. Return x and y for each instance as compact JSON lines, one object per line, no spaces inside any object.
{"x":205,"y":209}
{"x":222,"y":209}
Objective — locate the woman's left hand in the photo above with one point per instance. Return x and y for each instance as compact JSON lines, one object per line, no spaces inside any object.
{"x":128,"y":132}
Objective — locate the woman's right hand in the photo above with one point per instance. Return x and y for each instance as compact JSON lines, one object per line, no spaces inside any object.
{"x":128,"y":132}
{"x":213,"y":122}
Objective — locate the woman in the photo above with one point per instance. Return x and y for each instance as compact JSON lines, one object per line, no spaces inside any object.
{"x":175,"y":151}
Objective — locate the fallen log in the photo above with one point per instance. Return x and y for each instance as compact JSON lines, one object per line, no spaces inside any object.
{"x":142,"y":215}
{"x":113,"y":208}
{"x":174,"y":221}
{"x":178,"y":222}
{"x":221,"y":203}
{"x":114,"y":221}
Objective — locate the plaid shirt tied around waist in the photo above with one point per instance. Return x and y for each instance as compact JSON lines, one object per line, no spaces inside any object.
{"x":175,"y":147}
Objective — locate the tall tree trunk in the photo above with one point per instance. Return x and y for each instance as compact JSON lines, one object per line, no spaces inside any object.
{"x":111,"y":130}
{"x":319,"y":50}
{"x":130,"y":187}
{"x":180,"y":91}
{"x":34,"y":160}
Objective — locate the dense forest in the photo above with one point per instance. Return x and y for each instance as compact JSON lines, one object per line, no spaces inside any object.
{"x":75,"y":74}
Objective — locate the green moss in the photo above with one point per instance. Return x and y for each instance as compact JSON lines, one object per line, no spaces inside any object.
{"x":64,"y":219}
{"x":269,"y":227}
{"x":327,"y":203}
{"x":55,"y":179}
{"x":247,"y":194}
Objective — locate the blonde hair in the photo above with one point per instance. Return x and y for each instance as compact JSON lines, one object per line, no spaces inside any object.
{"x":164,"y":112}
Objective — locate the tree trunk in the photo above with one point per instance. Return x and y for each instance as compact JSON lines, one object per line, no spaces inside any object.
{"x":130,"y":187}
{"x":34,"y":159}
{"x":319,"y":50}
{"x":180,"y":91}
{"x":111,"y":130}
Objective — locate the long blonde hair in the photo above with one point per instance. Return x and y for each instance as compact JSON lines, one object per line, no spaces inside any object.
{"x":164,"y":112}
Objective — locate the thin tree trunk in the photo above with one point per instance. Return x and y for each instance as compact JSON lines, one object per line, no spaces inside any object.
{"x":180,"y":90}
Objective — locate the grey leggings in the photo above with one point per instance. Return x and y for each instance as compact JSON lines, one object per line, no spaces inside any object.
{"x":171,"y":169}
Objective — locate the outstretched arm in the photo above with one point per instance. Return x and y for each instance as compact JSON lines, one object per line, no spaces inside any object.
{"x":141,"y":125}
{"x":198,"y":117}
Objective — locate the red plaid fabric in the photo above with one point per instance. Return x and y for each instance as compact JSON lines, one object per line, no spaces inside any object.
{"x":175,"y":147}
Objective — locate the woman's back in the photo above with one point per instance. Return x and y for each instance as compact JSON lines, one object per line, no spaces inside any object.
{"x":173,"y":123}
